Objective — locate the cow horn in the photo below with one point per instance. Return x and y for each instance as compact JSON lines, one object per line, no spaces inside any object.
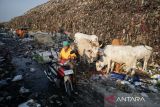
{"x":100,"y":45}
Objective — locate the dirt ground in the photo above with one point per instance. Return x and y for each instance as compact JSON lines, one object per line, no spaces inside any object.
{"x":90,"y":91}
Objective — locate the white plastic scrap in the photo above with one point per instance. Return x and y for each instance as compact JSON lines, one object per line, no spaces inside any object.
{"x":144,"y":95}
{"x":1,"y":43}
{"x":27,"y":39}
{"x":156,"y":76}
{"x":154,"y":82}
{"x":17,"y":78}
{"x":152,"y":88}
{"x":125,"y":82}
{"x":29,"y":103}
{"x":24,"y":90}
{"x":45,"y":55}
{"x":131,"y":86}
{"x":32,"y":69}
{"x":137,"y":83}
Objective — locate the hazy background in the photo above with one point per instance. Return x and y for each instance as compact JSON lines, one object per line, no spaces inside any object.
{"x":12,"y":8}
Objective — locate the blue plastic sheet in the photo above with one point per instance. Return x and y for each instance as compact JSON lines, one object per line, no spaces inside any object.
{"x":122,"y":77}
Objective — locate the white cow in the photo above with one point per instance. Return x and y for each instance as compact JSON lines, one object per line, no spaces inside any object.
{"x":124,"y":54}
{"x":93,"y":38}
{"x":87,"y":46}
{"x":143,"y":52}
{"x":119,"y":54}
{"x":87,"y":49}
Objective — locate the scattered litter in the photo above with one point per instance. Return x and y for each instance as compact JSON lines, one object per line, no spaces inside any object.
{"x":43,"y":39}
{"x":32,"y":69}
{"x":144,"y":95}
{"x":30,"y":103}
{"x":1,"y":99}
{"x":1,"y":59}
{"x":156,"y":76}
{"x":125,"y":82}
{"x":43,"y":57}
{"x":132,"y":86}
{"x":28,"y":63}
{"x":1,"y":43}
{"x":118,"y":76}
{"x":137,"y":83}
{"x":123,"y":87}
{"x":53,"y":96}
{"x":24,"y":90}
{"x":27,"y":39}
{"x":3,"y":83}
{"x":59,"y":102}
{"x":153,"y":89}
{"x":154,"y":82}
{"x":95,"y":77}
{"x":142,"y":89}
{"x":8,"y":97}
{"x":17,"y":78}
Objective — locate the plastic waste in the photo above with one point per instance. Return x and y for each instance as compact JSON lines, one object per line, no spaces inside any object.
{"x":144,"y":95}
{"x":142,"y":88}
{"x":3,"y":83}
{"x":29,"y":103}
{"x":24,"y":90}
{"x":154,"y":82}
{"x":17,"y":78}
{"x":43,"y":57}
{"x":118,"y":76}
{"x":125,"y":82}
{"x":32,"y":69}
{"x":137,"y":83}
{"x":153,"y":89}
{"x":156,"y":76}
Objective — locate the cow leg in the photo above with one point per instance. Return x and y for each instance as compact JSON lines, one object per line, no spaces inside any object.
{"x":127,"y":72}
{"x":145,"y":64}
{"x":131,"y":69}
{"x":112,"y":66}
{"x":108,"y":67}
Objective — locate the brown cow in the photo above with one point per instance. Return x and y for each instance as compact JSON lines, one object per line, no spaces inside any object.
{"x":117,"y":65}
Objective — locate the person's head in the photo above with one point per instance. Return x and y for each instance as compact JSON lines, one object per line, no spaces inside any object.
{"x":66,"y":44}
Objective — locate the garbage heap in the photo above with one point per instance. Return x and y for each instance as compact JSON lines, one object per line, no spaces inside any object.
{"x":135,"y":21}
{"x":5,"y":62}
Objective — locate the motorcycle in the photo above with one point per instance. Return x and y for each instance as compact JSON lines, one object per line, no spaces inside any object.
{"x":61,"y":74}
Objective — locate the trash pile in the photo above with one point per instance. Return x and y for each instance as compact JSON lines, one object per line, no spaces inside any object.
{"x":122,"y":82}
{"x":134,"y":21}
{"x":6,"y":67}
{"x":30,"y":103}
{"x":44,"y":39}
{"x":42,"y":56}
{"x":53,"y":44}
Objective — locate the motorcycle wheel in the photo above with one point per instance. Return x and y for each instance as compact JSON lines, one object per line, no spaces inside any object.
{"x":68,"y":87}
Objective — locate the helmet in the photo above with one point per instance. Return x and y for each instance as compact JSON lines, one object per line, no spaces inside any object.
{"x":66,"y":43}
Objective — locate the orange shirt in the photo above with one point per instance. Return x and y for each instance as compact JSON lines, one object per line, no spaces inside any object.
{"x":66,"y":54}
